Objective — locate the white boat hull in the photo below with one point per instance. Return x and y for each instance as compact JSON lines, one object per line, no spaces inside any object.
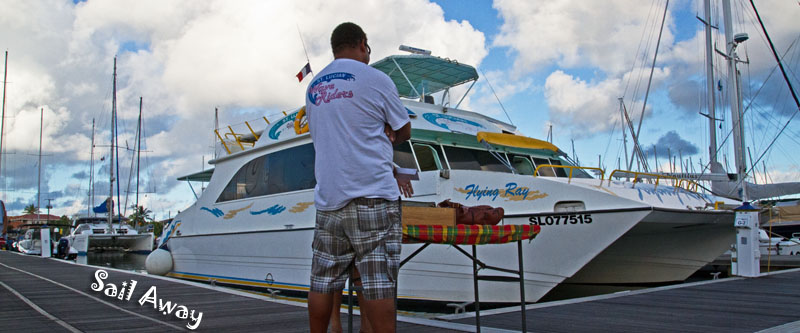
{"x":665,"y":247}
{"x":282,"y":260}
{"x":140,"y":243}
{"x":32,"y":247}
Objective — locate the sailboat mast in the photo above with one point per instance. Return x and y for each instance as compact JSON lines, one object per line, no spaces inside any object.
{"x":734,"y":91}
{"x":39,"y":178}
{"x":3,"y":116}
{"x":712,"y":124}
{"x":216,"y":130}
{"x":138,"y":151}
{"x":623,"y":122}
{"x":91,"y":176}
{"x":111,"y":159}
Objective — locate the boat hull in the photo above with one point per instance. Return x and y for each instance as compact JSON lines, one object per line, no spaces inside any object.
{"x":139,"y":243}
{"x":667,"y":246}
{"x":281,"y":259}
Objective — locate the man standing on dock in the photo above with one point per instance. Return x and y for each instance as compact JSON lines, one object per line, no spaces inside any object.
{"x":355,"y":115}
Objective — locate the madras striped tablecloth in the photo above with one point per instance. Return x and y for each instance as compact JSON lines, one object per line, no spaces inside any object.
{"x":468,"y":234}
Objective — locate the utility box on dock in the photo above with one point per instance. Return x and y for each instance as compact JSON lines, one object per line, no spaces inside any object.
{"x":46,"y":246}
{"x":748,"y":257}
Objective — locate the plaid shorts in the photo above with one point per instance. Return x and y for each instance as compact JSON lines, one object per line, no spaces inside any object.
{"x":365,"y":232}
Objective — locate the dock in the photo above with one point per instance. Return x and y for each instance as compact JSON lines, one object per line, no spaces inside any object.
{"x":769,"y":303}
{"x":45,"y":294}
{"x":51,"y":295}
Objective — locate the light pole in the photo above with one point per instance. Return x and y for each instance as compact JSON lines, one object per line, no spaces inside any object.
{"x":48,"y":210}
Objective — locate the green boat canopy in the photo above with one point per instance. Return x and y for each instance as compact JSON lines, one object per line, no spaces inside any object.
{"x":202,"y":176}
{"x":415,"y":75}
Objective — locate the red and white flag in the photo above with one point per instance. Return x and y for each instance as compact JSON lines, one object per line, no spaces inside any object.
{"x":304,"y":72}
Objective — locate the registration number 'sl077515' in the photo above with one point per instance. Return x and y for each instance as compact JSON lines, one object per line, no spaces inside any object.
{"x":561,"y":219}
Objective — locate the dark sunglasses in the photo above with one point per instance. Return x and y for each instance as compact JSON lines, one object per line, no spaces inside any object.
{"x":369,"y":50}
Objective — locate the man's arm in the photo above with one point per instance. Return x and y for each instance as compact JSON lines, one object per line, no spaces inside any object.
{"x":403,"y":134}
{"x":399,"y":136}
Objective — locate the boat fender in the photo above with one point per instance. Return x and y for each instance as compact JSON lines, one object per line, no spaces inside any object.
{"x":158,"y":262}
{"x":300,"y":124}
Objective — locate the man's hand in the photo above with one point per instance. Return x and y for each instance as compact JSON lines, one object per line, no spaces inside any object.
{"x":399,"y":136}
{"x":405,"y":187}
{"x":403,"y":184}
{"x":389,"y":133}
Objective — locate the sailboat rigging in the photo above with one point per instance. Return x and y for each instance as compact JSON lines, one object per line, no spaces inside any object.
{"x":89,"y":232}
{"x":3,"y":114}
{"x":735,"y":185}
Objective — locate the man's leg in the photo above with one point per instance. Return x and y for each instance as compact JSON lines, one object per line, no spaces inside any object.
{"x":336,"y":320}
{"x":319,"y":311}
{"x":365,"y":326}
{"x":380,"y":313}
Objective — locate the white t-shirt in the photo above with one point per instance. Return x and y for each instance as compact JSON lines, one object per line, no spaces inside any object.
{"x":348,"y":104}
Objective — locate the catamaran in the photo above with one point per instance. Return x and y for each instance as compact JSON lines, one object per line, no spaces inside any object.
{"x":252,"y":226}
{"x":93,"y":233}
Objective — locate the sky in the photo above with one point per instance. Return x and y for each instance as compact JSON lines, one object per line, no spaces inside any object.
{"x":556,"y":67}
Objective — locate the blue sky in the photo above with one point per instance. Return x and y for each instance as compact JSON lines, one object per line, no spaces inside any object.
{"x":562,"y":63}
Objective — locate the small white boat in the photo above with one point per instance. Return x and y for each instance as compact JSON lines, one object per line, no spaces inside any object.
{"x":94,"y":234}
{"x":31,"y":243}
{"x":789,"y":247}
{"x":768,"y":245}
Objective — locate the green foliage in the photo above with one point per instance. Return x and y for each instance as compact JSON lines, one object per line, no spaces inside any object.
{"x":64,"y":220}
{"x":140,"y":216}
{"x":30,"y":209}
{"x":158,"y":228}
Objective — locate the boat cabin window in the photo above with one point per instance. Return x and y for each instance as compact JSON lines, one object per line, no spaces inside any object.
{"x":403,"y":156}
{"x":544,"y":171}
{"x":427,"y":157}
{"x":82,"y":228}
{"x":282,"y":171}
{"x":522,"y":164}
{"x":473,"y":159}
{"x":560,"y":172}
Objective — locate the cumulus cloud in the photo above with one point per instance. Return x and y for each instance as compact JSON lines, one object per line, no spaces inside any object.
{"x":569,"y":35}
{"x":493,"y":86}
{"x":590,"y":107}
{"x":687,"y":95}
{"x":572,"y":33}
{"x":184,"y":58}
{"x":673,"y":143}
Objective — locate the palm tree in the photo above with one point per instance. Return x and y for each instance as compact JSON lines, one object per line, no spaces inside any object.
{"x":140,"y":215}
{"x":30,"y":209}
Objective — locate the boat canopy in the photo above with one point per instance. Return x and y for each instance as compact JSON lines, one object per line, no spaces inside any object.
{"x":202,"y":176}
{"x":465,"y":140}
{"x":416,"y":75}
{"x":518,"y":141}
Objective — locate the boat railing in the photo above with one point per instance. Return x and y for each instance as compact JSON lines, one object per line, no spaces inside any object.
{"x":638,"y":176}
{"x":241,"y":136}
{"x":571,"y":168}
{"x":690,"y":185}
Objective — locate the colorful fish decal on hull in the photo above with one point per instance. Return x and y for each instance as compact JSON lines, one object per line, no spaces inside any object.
{"x":216,"y":211}
{"x":233,"y":212}
{"x":274,"y":210}
{"x":301,"y":207}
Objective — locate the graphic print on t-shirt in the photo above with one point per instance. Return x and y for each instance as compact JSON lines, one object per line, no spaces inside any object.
{"x":323,"y":89}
